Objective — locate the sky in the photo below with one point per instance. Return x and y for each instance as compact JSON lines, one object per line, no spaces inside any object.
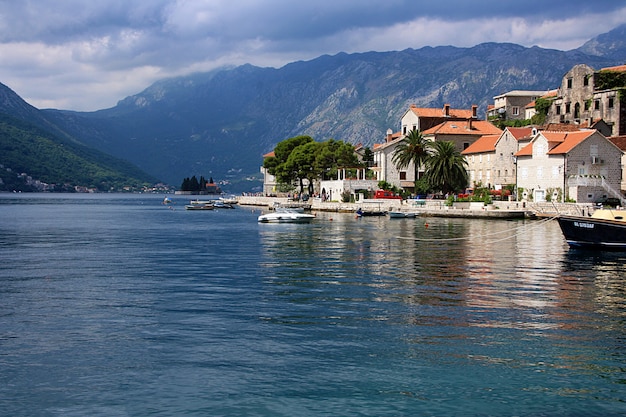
{"x":87,"y":55}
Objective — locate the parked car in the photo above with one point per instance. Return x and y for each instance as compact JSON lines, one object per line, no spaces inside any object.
{"x":608,"y":202}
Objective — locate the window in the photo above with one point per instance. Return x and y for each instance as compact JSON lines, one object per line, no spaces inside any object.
{"x":466,"y":145}
{"x":404,"y":130}
{"x":515,"y":111}
{"x":586,"y":80}
{"x":558,"y":109}
{"x":403,"y":175}
{"x":611,"y":102}
{"x":569,"y":83}
{"x":567,"y":108}
{"x":596,"y":105}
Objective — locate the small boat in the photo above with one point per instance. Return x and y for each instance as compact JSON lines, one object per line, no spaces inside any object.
{"x":363,"y":213}
{"x":199,"y":205}
{"x":605,"y":229}
{"x":286,"y":216}
{"x":222,"y":205}
{"x":402,"y":215}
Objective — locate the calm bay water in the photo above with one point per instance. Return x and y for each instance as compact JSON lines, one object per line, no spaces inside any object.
{"x":115,"y":305}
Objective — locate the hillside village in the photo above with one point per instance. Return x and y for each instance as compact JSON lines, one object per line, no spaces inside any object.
{"x":577,"y":155}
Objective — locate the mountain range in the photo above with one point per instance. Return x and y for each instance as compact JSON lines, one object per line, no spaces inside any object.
{"x":220,"y":123}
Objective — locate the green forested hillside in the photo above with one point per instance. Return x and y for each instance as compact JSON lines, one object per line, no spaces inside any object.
{"x":53,"y":164}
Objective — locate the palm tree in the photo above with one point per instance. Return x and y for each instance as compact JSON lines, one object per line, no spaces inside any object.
{"x":446,"y":168}
{"x":414,"y":148}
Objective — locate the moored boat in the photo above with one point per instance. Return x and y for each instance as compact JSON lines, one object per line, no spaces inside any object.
{"x":285,"y":216}
{"x":363,"y":213}
{"x":199,"y":205}
{"x":402,"y":215}
{"x":605,"y":229}
{"x":222,"y":205}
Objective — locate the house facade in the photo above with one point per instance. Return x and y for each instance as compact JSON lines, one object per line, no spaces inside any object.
{"x":480,"y":157}
{"x":386,"y":169}
{"x":512,"y":105}
{"x":620,"y":142}
{"x":421,"y":119}
{"x":491,"y":159}
{"x":582,"y":166}
{"x":462,"y":133}
{"x":270,"y":185}
{"x":586,"y":97}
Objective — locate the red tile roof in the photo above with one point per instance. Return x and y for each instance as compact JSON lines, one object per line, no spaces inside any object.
{"x":560,"y":127}
{"x":483,"y":144}
{"x":619,"y":68}
{"x":269,"y":155}
{"x":461,"y":127}
{"x":566,"y":141}
{"x":619,"y":141}
{"x":430,"y":112}
{"x":520,"y":132}
{"x":551,"y":93}
{"x":526,"y":150}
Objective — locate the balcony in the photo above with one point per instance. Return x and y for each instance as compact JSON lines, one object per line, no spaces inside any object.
{"x":585,"y":181}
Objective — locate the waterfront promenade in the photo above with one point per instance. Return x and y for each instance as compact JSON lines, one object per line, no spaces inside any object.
{"x":432,"y":208}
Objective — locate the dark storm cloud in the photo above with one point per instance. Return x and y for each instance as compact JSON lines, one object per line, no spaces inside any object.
{"x":54,"y":51}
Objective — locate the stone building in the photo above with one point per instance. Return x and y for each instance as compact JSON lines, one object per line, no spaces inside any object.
{"x":583,"y":166}
{"x":587,"y":95}
{"x":491,"y":160}
{"x":512,"y":105}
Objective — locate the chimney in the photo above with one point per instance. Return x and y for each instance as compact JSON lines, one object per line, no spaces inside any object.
{"x":389,"y":135}
{"x":474,"y":111}
{"x":469,"y":124}
{"x":446,"y":110}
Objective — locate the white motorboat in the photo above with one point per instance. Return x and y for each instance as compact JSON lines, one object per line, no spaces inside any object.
{"x":286,"y":216}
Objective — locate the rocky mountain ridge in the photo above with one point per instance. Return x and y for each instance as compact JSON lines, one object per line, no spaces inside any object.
{"x":221,"y":123}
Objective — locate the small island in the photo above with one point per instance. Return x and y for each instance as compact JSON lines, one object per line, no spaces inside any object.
{"x":193,"y":186}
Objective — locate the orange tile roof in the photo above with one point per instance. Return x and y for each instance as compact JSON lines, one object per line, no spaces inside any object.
{"x":619,"y":68}
{"x":565,"y":141}
{"x":269,"y":155}
{"x":551,"y":93}
{"x":430,"y":112}
{"x":526,"y":150}
{"x":479,"y":127}
{"x":483,"y":144}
